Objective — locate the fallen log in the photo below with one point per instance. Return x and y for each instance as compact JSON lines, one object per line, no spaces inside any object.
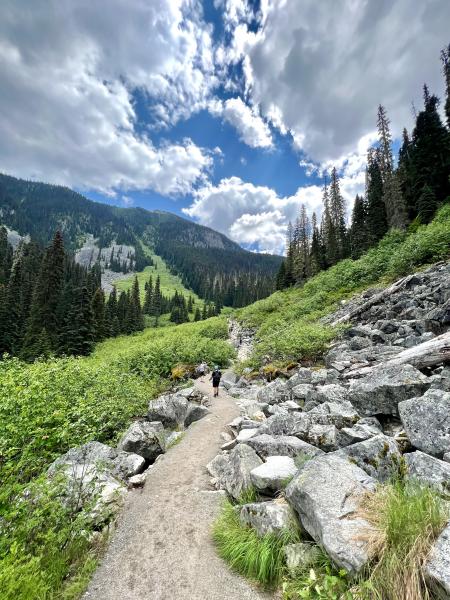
{"x":375,"y":299}
{"x":428,"y":354}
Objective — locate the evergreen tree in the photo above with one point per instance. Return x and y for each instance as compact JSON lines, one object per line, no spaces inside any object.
{"x":337,"y":215}
{"x":404,"y":174}
{"x":122,"y":312}
{"x":392,"y":194}
{"x":317,"y":259}
{"x":197,"y":315}
{"x":289,"y":263}
{"x":3,"y":320}
{"x":281,"y":277}
{"x":147,"y":308}
{"x":429,"y":154}
{"x":46,"y":296}
{"x":205,"y":312}
{"x":157,"y":300}
{"x":445,"y":56}
{"x":79,"y":327}
{"x":98,"y":310}
{"x":328,"y":233}
{"x":426,"y":205}
{"x":376,"y":210}
{"x":6,"y":256}
{"x":135,"y":318}
{"x":359,"y":235}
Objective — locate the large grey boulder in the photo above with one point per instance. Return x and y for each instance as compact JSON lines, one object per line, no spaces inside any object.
{"x":301,"y":391}
{"x":282,"y":445}
{"x":274,"y":392}
{"x":195,"y":412}
{"x":286,"y":424}
{"x":229,"y":379}
{"x":145,"y":439}
{"x":364,"y":429}
{"x":88,"y":487}
{"x":427,"y":421}
{"x":429,"y":470}
{"x":325,"y":437}
{"x":118,"y":463}
{"x":326,"y":494}
{"x":385,"y":387}
{"x":378,"y":456}
{"x":274,"y":474}
{"x":170,"y":410}
{"x":233,"y":471}
{"x":302,"y":376}
{"x":340,"y":413}
{"x":437,"y":567}
{"x":268,"y":517}
{"x":328,"y":393}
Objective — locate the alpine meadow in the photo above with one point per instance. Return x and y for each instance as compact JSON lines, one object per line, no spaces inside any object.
{"x":224,"y":300}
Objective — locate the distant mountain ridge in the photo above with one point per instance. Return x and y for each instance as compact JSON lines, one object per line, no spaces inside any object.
{"x":211,"y":264}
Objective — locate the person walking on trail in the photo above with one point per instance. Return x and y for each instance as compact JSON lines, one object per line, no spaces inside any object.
{"x":216,"y":376}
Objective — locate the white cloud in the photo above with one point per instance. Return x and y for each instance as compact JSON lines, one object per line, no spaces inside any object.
{"x":68,"y":72}
{"x":249,"y":214}
{"x":252,"y":129}
{"x":319,"y":69}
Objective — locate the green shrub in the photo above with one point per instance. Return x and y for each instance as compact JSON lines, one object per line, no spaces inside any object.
{"x":318,"y":581}
{"x":255,"y":557}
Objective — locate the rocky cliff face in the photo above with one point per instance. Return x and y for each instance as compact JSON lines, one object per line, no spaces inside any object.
{"x":380,"y":404}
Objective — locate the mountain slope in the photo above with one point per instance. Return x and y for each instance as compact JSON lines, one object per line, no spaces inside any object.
{"x":207,"y":261}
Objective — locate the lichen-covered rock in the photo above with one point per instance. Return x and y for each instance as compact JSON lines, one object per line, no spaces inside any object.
{"x":246,"y":434}
{"x":362,"y":430}
{"x":429,"y":469}
{"x":275,"y":392}
{"x":339,"y":413}
{"x":301,"y":391}
{"x":326,"y":494}
{"x":437,"y":566}
{"x":385,"y":387}
{"x":325,"y":437}
{"x":128,"y":464}
{"x":145,"y":439}
{"x":328,"y":393}
{"x":302,"y":376}
{"x":268,"y":517}
{"x":427,"y":421}
{"x":300,"y":555}
{"x":286,"y":424}
{"x":274,"y":474}
{"x":282,"y":445}
{"x":233,"y":470}
{"x":170,"y":410}
{"x":229,"y":379}
{"x":378,"y":456}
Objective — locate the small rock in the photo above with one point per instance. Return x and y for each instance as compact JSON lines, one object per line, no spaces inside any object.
{"x":144,"y":439}
{"x":282,"y":445}
{"x":171,"y":410}
{"x":378,"y":456}
{"x":137,"y":480}
{"x":300,"y":555}
{"x":246,"y":434}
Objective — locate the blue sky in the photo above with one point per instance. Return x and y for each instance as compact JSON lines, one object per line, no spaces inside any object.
{"x":227,"y":112}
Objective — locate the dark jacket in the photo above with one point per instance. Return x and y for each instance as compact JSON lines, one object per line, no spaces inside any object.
{"x":216,"y":377}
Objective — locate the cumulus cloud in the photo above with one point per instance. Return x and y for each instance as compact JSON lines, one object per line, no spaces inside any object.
{"x":68,"y":71}
{"x":251,"y":215}
{"x":320,"y":69}
{"x":251,"y":128}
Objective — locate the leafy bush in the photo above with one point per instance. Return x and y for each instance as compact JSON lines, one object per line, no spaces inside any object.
{"x":255,"y":557}
{"x":287,"y":323}
{"x":50,"y":406}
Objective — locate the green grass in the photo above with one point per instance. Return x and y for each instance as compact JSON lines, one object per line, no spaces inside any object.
{"x":258,"y":558}
{"x":170,"y":283}
{"x":406,"y":518}
{"x":287,"y":323}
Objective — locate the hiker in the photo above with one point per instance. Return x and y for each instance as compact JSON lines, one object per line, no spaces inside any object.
{"x":216,"y":377}
{"x":202,"y":369}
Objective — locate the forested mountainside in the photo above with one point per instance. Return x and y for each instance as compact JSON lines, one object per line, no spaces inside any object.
{"x":39,"y":209}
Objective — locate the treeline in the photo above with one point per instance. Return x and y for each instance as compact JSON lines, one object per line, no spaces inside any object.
{"x":48,"y":303}
{"x":221,"y":276}
{"x":395,"y":197}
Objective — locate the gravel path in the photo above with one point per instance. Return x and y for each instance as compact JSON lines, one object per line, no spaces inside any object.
{"x":162,"y":548}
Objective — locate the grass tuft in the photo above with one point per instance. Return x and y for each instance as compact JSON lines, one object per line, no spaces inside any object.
{"x":255,"y":557}
{"x":406,"y":518}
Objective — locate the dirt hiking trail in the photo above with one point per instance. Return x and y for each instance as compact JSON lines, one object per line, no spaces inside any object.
{"x":162,"y":548}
